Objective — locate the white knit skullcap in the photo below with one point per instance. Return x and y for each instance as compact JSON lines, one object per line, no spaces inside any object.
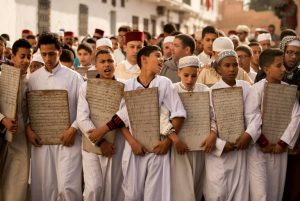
{"x":226,"y":53}
{"x":189,"y":61}
{"x":264,"y":36}
{"x":169,"y":39}
{"x":222,"y":43}
{"x":104,"y":42}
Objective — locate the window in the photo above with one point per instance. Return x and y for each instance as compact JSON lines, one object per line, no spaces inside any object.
{"x":146,"y":24}
{"x":122,"y":3}
{"x":83,"y":19}
{"x":104,"y":1}
{"x":43,"y":15}
{"x":113,"y":3}
{"x":153,"y":23}
{"x":135,"y":22}
{"x":187,"y":2}
{"x":113,"y":22}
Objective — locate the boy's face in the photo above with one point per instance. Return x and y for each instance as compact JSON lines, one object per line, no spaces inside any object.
{"x":275,"y":72}
{"x":256,"y":52}
{"x":244,"y":59}
{"x":69,"y":40}
{"x":207,"y":42}
{"x":154,"y":62}
{"x":178,"y":51}
{"x":291,"y":55}
{"x":121,"y":38}
{"x":32,"y":42}
{"x":22,"y":59}
{"x":50,"y":55}
{"x":188,"y":76}
{"x":265,"y":44}
{"x":105,"y":66}
{"x":84,"y":57}
{"x":114,"y":43}
{"x":132,"y":48}
{"x":228,"y":69}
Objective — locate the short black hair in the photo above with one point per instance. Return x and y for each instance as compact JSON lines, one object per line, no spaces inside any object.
{"x":90,"y":40}
{"x":272,"y":25}
{"x":86,"y":47}
{"x":246,"y":49}
{"x":48,"y":38}
{"x":66,"y":56}
{"x":147,"y":34}
{"x":113,"y":38}
{"x":102,"y":51}
{"x":187,"y":41}
{"x":146,"y":51}
{"x":287,"y":32}
{"x":253,"y":44}
{"x":209,"y":30}
{"x":21,"y":43}
{"x":5,"y":36}
{"x":169,"y":28}
{"x":124,"y":28}
{"x":267,"y":57}
{"x":3,"y":40}
{"x":30,"y":37}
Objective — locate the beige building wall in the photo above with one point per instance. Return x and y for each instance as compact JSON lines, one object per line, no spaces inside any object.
{"x":232,"y":14}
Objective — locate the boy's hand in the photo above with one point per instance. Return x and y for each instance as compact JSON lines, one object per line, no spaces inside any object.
{"x":180,"y":146}
{"x":96,"y":134}
{"x":68,"y":136}
{"x":137,"y":148}
{"x":268,"y":149}
{"x":10,"y":124}
{"x":278,"y":149}
{"x":107,"y":149}
{"x":162,"y":147}
{"x":32,"y":137}
{"x":228,"y":147}
{"x":243,"y":141}
{"x":210,"y":142}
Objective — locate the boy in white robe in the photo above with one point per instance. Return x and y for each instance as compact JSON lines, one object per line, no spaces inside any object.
{"x":188,"y":165}
{"x":267,"y":162}
{"x":14,"y":179}
{"x":56,"y":169}
{"x":97,"y":169}
{"x":226,"y":175}
{"x":147,"y":175}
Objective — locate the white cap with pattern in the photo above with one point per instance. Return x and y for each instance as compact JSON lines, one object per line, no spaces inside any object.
{"x":189,"y":61}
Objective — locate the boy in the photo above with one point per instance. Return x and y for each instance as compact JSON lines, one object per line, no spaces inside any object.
{"x":84,"y":53}
{"x":14,"y":180}
{"x":209,"y":34}
{"x":56,"y":169}
{"x":147,"y":175}
{"x":127,"y":69}
{"x":267,"y":162}
{"x":226,"y":176}
{"x":245,"y":53}
{"x":98,"y":171}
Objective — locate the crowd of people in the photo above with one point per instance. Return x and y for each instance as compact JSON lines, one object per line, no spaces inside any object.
{"x":250,"y":168}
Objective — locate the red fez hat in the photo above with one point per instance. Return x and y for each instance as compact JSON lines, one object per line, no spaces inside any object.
{"x":99,"y":31}
{"x":27,"y":31}
{"x":69,"y":33}
{"x":134,"y":36}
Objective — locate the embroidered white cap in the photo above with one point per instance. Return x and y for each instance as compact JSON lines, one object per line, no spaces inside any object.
{"x":189,"y":61}
{"x":264,"y":36}
{"x":226,"y":53}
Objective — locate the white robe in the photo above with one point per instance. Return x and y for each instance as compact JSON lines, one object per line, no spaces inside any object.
{"x":56,"y":169}
{"x":102,"y":181}
{"x":226,"y":176}
{"x":147,"y":178}
{"x":125,"y":71}
{"x":14,"y":181}
{"x":267,"y":171}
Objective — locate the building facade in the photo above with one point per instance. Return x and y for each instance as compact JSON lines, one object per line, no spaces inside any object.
{"x":83,"y":16}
